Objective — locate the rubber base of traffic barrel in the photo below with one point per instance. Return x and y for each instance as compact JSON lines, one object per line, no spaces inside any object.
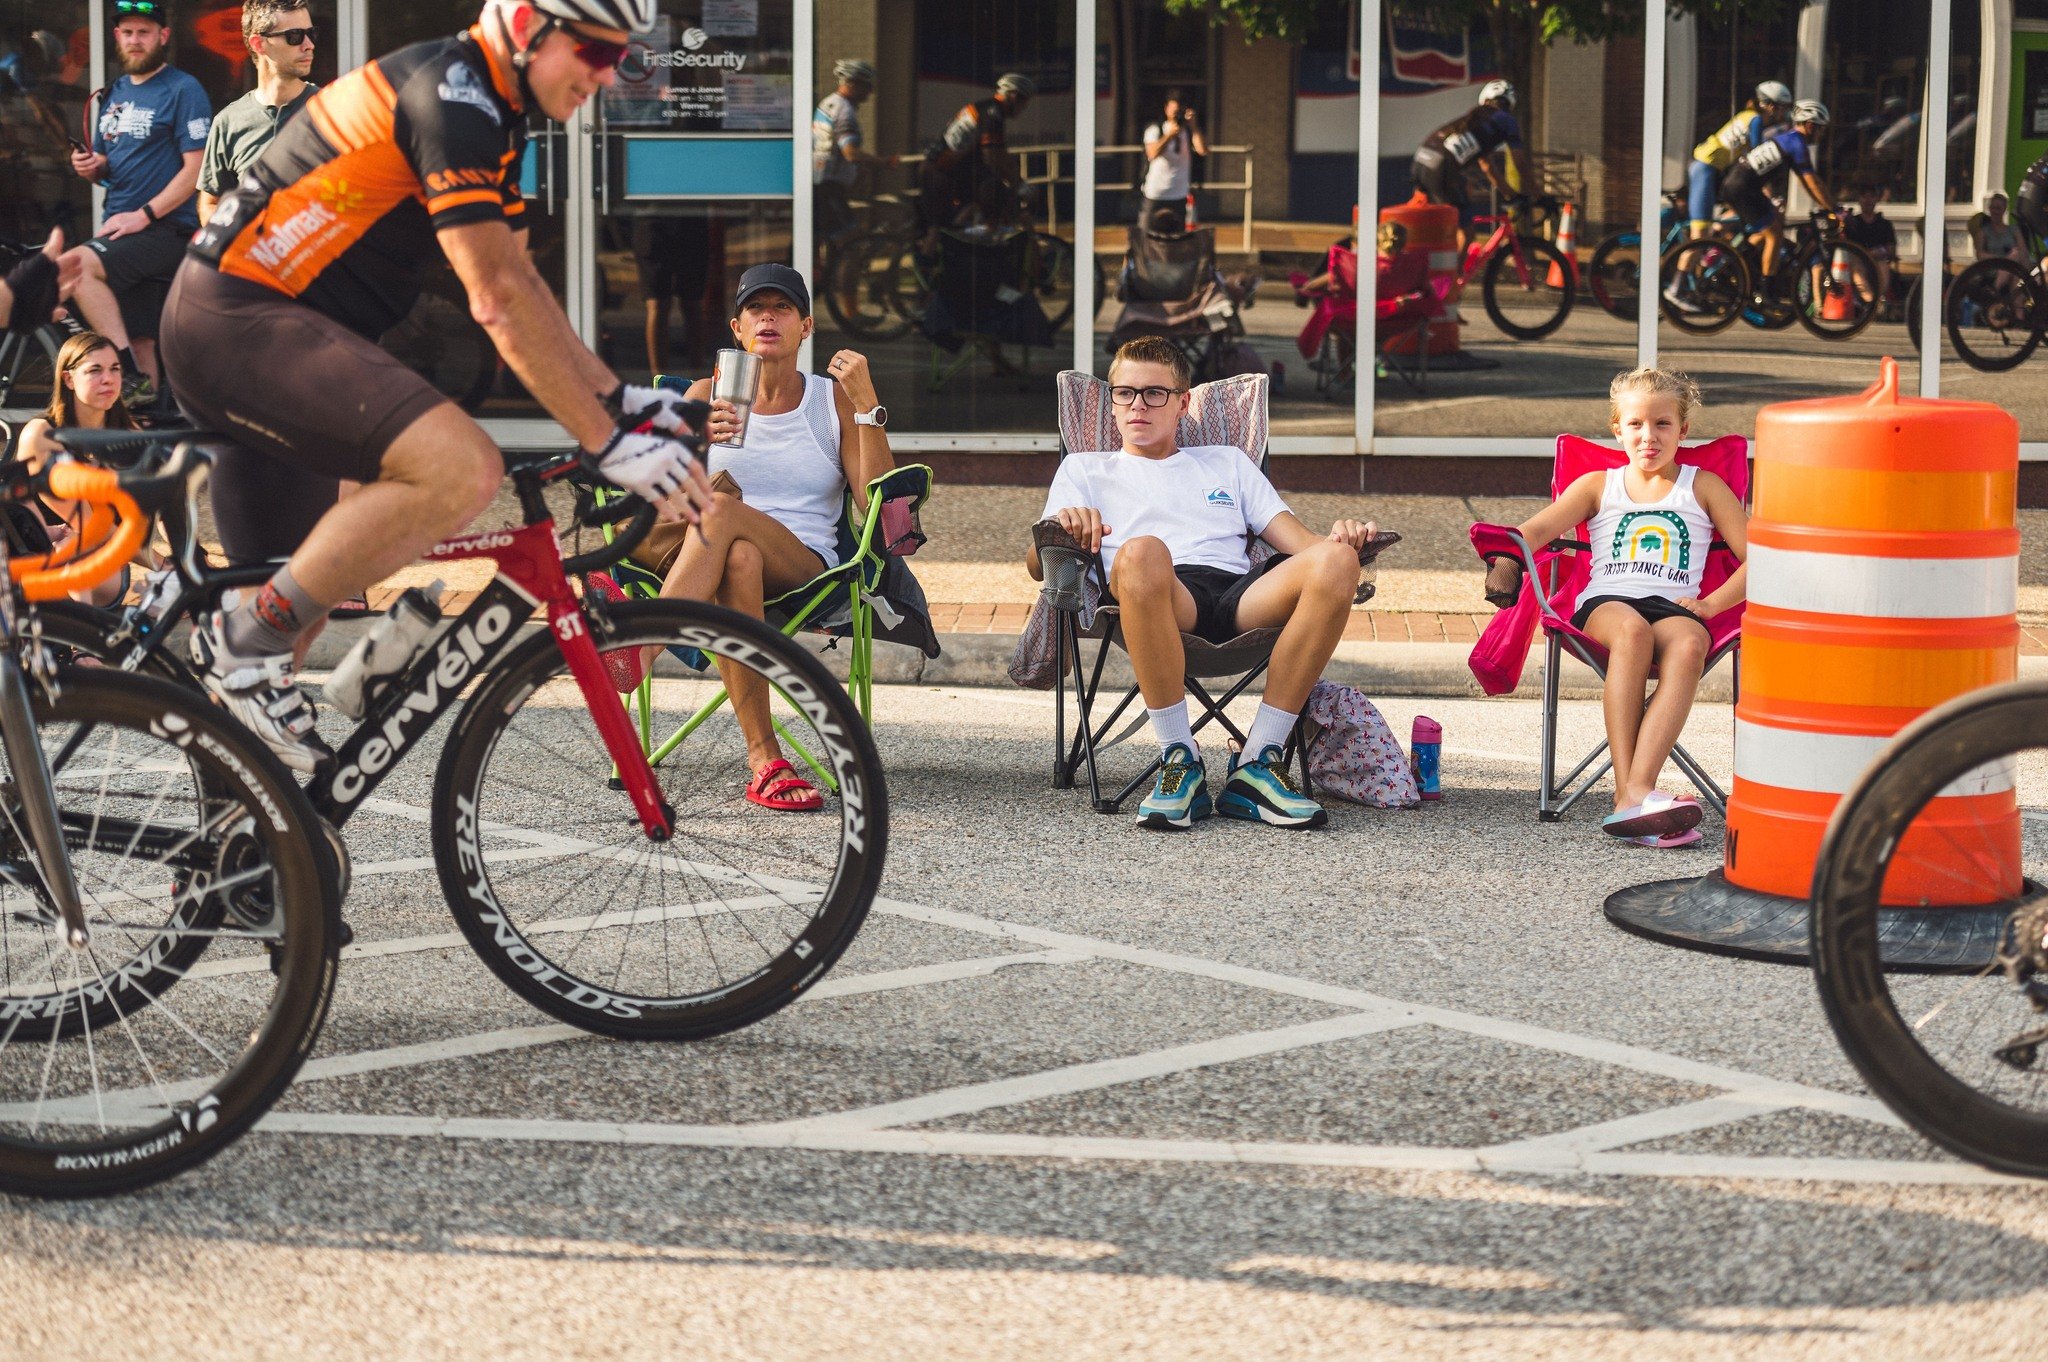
{"x":1709,"y":914}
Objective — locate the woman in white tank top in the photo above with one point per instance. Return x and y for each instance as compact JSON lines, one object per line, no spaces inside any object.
{"x":1651,"y":523}
{"x":809,"y":439}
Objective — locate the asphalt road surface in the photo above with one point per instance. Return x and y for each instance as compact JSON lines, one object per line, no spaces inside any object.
{"x":1080,"y":1091}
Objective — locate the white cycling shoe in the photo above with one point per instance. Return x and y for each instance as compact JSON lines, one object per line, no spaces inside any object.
{"x":264,"y":696}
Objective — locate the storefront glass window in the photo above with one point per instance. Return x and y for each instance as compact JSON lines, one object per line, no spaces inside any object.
{"x":1520,"y":341}
{"x":949,"y":261}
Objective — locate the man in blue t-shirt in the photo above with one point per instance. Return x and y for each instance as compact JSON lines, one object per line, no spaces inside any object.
{"x":146,"y":149}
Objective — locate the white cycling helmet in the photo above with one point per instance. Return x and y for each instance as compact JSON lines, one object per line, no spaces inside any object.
{"x":1810,"y":111}
{"x":1497,"y":89}
{"x":634,"y":16}
{"x":1016,"y":83}
{"x":853,"y":68}
{"x":1774,"y":92}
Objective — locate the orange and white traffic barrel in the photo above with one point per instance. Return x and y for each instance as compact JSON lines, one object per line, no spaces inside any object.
{"x":1883,"y":581}
{"x":1431,"y":227}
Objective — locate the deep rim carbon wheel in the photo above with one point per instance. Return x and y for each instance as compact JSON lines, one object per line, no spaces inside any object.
{"x":1527,"y":306}
{"x":1615,"y":274}
{"x":1705,"y":285}
{"x":1994,"y":313}
{"x":558,"y":890}
{"x":1963,"y":1059}
{"x":1838,"y":277}
{"x":138,"y":1057}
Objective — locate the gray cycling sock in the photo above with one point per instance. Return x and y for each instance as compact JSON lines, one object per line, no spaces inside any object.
{"x":269,"y":621}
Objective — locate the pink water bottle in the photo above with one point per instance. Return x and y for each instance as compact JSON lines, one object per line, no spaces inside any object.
{"x":1425,"y":752}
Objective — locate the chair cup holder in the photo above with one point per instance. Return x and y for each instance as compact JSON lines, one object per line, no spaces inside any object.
{"x":1065,"y":570}
{"x":1504,"y":583}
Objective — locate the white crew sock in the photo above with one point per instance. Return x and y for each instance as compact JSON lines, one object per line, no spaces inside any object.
{"x":1170,"y":725}
{"x":1271,"y":728}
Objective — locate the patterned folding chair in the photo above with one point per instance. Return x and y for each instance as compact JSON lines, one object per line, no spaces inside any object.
{"x":1227,"y":411}
{"x":1554,"y":576}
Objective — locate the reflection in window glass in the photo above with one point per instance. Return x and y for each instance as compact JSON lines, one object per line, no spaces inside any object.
{"x":1830,"y":304}
{"x":1989,"y":344}
{"x":44,"y":54}
{"x":667,"y":274}
{"x":207,"y":42}
{"x":440,"y":339}
{"x":945,"y":205}
{"x":1480,"y":302}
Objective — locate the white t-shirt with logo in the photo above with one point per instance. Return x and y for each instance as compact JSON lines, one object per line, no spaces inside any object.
{"x":1168,"y":174}
{"x":1201,"y":502}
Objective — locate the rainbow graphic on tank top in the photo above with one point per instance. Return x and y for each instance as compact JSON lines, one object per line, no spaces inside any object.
{"x":1654,"y":537}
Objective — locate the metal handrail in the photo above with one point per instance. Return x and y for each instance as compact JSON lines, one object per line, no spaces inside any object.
{"x":1244,"y":186}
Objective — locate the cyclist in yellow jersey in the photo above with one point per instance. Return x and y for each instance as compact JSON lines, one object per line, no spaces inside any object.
{"x":1712,"y":157}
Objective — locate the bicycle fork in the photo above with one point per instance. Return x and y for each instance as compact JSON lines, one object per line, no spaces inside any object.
{"x":608,"y":711}
{"x":38,"y":796}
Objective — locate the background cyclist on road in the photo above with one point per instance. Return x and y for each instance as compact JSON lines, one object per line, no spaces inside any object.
{"x":2030,"y":200}
{"x":1761,"y":174}
{"x":271,"y":324}
{"x":1473,"y":138}
{"x":1737,"y":137}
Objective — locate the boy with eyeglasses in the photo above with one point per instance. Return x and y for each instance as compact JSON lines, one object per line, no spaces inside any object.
{"x":1171,"y":524}
{"x":281,"y":41}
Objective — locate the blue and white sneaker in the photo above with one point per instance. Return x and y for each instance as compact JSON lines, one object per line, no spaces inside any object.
{"x":1180,"y":797}
{"x":1259,"y":791}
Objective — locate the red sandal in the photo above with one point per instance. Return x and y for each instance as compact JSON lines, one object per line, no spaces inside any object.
{"x":777,"y":786}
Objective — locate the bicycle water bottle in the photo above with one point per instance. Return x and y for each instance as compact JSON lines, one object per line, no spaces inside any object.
{"x":1425,"y":752}
{"x":385,"y":649}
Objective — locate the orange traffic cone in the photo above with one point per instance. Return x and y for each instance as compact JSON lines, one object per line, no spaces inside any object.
{"x":1835,"y":306}
{"x":1567,"y":246}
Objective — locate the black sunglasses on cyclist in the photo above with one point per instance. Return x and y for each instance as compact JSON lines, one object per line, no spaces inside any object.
{"x":1153,"y":397}
{"x":293,"y":37}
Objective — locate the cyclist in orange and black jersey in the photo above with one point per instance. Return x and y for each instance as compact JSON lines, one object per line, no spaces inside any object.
{"x":970,"y":162}
{"x":270,"y":324}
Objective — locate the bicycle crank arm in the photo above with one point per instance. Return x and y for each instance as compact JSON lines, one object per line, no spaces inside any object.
{"x":39,"y":802}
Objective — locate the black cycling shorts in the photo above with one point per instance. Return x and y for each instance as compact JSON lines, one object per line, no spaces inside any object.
{"x":1745,"y":194}
{"x":1442,"y":179}
{"x":139,"y":269}
{"x":307,"y":400}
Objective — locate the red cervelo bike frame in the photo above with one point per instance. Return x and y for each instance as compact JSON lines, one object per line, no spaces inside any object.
{"x":529,"y":560}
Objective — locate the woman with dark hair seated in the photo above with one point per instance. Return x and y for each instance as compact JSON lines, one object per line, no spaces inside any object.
{"x":87,"y":396}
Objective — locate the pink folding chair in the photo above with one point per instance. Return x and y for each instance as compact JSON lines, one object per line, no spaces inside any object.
{"x":1555,"y":575}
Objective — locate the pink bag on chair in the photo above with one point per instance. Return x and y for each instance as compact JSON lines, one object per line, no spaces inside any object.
{"x":1503,"y":649}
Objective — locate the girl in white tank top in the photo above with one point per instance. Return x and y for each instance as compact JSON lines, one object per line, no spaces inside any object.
{"x":1651,"y":523}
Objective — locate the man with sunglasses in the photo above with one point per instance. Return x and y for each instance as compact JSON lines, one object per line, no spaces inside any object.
{"x":1171,"y":524}
{"x":281,"y":41}
{"x":318,"y":250}
{"x":146,"y":146}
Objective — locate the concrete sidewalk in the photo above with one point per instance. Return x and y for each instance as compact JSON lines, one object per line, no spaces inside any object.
{"x":1412,"y":638}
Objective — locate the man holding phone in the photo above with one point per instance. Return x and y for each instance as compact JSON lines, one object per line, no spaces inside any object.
{"x":146,"y":148}
{"x":1171,"y":146}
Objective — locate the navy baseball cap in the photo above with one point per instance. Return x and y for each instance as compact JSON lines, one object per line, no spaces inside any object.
{"x":779,"y":278}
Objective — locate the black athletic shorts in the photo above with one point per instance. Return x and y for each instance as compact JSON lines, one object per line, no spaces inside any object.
{"x":673,"y":256}
{"x":139,"y":269}
{"x":1745,"y":194}
{"x":1651,"y":608}
{"x":1217,"y":593}
{"x":1440,"y":177}
{"x":308,"y":400}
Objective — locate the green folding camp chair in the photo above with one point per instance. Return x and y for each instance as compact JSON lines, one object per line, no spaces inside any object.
{"x":870,"y":595}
